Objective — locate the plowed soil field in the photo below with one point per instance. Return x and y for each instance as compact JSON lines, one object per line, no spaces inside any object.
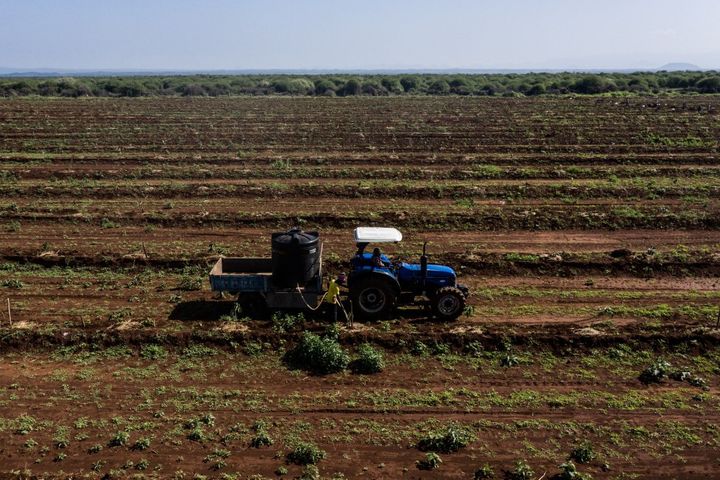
{"x":588,"y":231}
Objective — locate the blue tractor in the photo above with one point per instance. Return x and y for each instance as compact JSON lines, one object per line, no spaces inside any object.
{"x":378,"y":285}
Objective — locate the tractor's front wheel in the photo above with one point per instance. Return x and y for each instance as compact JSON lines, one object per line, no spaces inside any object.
{"x":448,"y":304}
{"x":372,"y":299}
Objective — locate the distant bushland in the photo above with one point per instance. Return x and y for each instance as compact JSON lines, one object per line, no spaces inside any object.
{"x":529,"y":84}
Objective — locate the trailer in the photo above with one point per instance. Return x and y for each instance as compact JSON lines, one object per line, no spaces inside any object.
{"x":257,"y":288}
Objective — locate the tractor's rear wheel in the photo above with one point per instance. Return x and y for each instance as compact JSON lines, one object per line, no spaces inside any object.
{"x":448,"y":304}
{"x":372,"y":299}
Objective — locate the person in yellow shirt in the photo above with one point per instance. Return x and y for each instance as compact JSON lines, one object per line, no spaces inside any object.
{"x":332,"y":296}
{"x":333,"y":292}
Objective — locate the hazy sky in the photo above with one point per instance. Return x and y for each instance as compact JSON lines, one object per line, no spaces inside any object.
{"x":297,"y":34}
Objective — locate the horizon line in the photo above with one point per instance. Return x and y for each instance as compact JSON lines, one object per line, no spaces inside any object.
{"x":45,"y":71}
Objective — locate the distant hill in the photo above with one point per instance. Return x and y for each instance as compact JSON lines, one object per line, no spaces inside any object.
{"x":680,"y":67}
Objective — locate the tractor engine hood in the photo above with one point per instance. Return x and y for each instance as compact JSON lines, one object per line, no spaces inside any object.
{"x":433,"y":270}
{"x":439,"y":271}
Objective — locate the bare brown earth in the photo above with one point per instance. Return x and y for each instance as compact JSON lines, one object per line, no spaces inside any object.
{"x":588,"y":230}
{"x":368,"y":425}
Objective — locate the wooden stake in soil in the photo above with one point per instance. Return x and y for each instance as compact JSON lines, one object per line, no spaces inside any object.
{"x":9,"y":314}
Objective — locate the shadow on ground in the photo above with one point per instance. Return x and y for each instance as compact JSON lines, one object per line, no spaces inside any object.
{"x":201,"y":310}
{"x":213,"y":310}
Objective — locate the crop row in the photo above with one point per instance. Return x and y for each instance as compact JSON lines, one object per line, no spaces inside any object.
{"x":477,"y":219}
{"x":647,"y":188}
{"x":283,"y":169}
{"x":153,"y":407}
{"x":430,"y":125}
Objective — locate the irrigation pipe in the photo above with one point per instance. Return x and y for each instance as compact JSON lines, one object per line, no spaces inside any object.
{"x":305,"y":301}
{"x":336,"y":302}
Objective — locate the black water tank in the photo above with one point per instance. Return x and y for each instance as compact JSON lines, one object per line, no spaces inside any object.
{"x":295,"y":258}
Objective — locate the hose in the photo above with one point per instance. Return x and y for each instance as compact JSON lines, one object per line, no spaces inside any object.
{"x":305,"y":301}
{"x":336,"y":302}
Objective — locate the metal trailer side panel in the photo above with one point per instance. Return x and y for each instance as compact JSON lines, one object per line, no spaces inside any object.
{"x":240,"y":275}
{"x":239,"y":283}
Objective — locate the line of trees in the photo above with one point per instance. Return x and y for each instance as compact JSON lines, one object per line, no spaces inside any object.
{"x":529,"y":84}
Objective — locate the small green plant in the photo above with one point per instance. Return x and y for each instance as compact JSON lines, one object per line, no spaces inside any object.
{"x":217,"y":459}
{"x":680,"y":254}
{"x":484,"y":473}
{"x":218,"y":249}
{"x":107,"y":223}
{"x":368,"y":361}
{"x":583,"y":454}
{"x":190,"y":283}
{"x":261,"y":437}
{"x":509,"y":360}
{"x":522,"y":471}
{"x":306,"y":453}
{"x":81,"y":422}
{"x":686,"y":376}
{"x":568,"y":471}
{"x":61,"y":439}
{"x":332,"y":331}
{"x":286,"y":322}
{"x":13,"y":283}
{"x":119,"y":315}
{"x":522,"y":257}
{"x":317,"y":355}
{"x":60,"y":457}
{"x":281,"y":470}
{"x":30,"y":444}
{"x":449,"y":440}
{"x":281,"y":164}
{"x":153,"y":352}
{"x":141,"y":444}
{"x":207,"y":419}
{"x":24,"y":424}
{"x":199,"y":351}
{"x":475,"y":348}
{"x":142,"y":464}
{"x":97,"y":448}
{"x":197,"y":434}
{"x":120,"y":439}
{"x":420,"y":349}
{"x":310,"y":472}
{"x":253,"y":349}
{"x":487,"y":171}
{"x":431,"y":461}
{"x":465,"y":202}
{"x":655,"y":373}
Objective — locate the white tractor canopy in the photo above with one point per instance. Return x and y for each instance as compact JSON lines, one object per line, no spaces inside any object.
{"x":377,"y":235}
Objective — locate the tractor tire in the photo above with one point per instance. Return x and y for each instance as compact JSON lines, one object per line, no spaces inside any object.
{"x":372,"y":298}
{"x":448,"y":304}
{"x":254,"y":306}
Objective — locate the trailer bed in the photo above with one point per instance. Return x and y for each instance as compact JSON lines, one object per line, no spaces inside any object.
{"x":241,"y":275}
